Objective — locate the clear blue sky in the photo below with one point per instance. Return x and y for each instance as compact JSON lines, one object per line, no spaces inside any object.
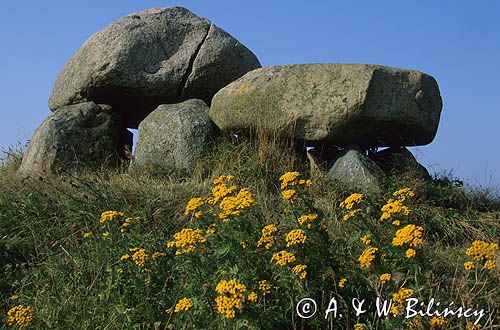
{"x":458,"y":42}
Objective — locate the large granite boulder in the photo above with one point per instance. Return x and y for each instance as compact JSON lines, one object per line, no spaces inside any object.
{"x":84,"y":135}
{"x":152,"y":57}
{"x":174,"y":137}
{"x":334,"y":104}
{"x":356,"y":170}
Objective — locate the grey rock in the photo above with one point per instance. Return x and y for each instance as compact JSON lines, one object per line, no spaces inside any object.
{"x":400,"y":161}
{"x":174,"y":137}
{"x":333,"y":104}
{"x":356,"y":170}
{"x":152,"y":57}
{"x":84,"y":135}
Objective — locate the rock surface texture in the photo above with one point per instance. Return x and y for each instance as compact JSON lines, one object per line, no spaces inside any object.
{"x":335,"y":104}
{"x":84,"y":135}
{"x":174,"y":136}
{"x":354,"y":169}
{"x":400,"y":161}
{"x":152,"y":57}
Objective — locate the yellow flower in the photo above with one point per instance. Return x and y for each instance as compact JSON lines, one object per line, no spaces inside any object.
{"x":342,"y":282}
{"x":385,"y":277}
{"x":300,"y":271}
{"x":14,"y":297}
{"x":414,"y":323}
{"x":289,"y":179}
{"x":142,"y":256}
{"x":396,"y":223}
{"x":289,"y":195}
{"x":265,"y":287}
{"x":211,"y":229}
{"x":124,"y":257}
{"x":244,"y":244}
{"x":367,"y":257}
{"x":20,"y":316}
{"x":193,"y":204}
{"x":186,"y":240}
{"x":411,"y":253}
{"x":296,"y":236}
{"x":399,"y":298}
{"x":403,"y":194}
{"x":481,"y":250}
{"x":366,"y":239}
{"x":183,"y":305}
{"x":411,"y":235}
{"x":490,"y":264}
{"x":359,"y":326}
{"x":87,"y":235}
{"x":221,"y":189}
{"x":252,"y":297}
{"x":232,"y":205}
{"x":283,"y":257}
{"x":231,"y":295}
{"x":268,"y":239}
{"x":393,"y":206}
{"x":119,"y":270}
{"x":438,"y":322}
{"x":109,"y":216}
{"x":469,"y":265}
{"x":351,"y":214}
{"x":305,"y":219}
{"x":105,"y":234}
{"x":352,"y":200}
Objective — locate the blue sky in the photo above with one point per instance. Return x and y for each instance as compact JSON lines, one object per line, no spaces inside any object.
{"x":458,"y":42}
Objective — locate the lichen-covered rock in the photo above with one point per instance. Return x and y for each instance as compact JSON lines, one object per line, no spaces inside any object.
{"x":400,"y":161}
{"x":333,"y":104}
{"x":174,"y":137}
{"x":84,"y":135}
{"x":152,"y":57}
{"x":356,"y":170}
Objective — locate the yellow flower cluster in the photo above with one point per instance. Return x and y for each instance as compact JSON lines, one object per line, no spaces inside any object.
{"x":20,"y":316}
{"x":252,"y":297}
{"x":268,"y":239}
{"x":366,"y":239}
{"x":87,"y":234}
{"x":367,"y":257}
{"x":482,"y":251}
{"x":107,"y":216}
{"x":265,"y":287}
{"x":469,"y":265}
{"x":232,"y":205}
{"x":385,"y":277}
{"x":411,"y":253}
{"x":211,"y":228}
{"x":300,"y":271}
{"x":414,"y":323}
{"x":399,"y":298}
{"x":194,"y":204}
{"x":186,"y":240}
{"x":404,"y":194}
{"x":342,"y":282}
{"x":351,"y":201}
{"x":183,"y":305}
{"x":351,"y":214}
{"x":221,"y":188}
{"x":296,"y":236}
{"x":359,"y":326}
{"x":231,"y":295}
{"x":292,"y":179}
{"x":393,"y":206}
{"x":305,"y":219}
{"x":438,"y":322}
{"x":410,"y":234}
{"x":141,"y":257}
{"x":283,"y":258}
{"x":289,"y":195}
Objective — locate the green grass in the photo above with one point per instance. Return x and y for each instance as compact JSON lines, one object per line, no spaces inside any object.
{"x":70,"y":281}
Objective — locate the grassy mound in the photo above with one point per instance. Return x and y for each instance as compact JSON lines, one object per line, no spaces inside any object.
{"x":191,"y":252}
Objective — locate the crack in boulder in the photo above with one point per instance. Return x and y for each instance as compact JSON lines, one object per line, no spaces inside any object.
{"x":189,"y":69}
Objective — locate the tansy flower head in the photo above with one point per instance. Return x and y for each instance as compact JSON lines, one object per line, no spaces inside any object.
{"x":300,"y":271}
{"x":367,"y":257}
{"x":268,"y":238}
{"x":342,"y":282}
{"x":410,"y":253}
{"x":469,"y":265}
{"x":410,"y":235}
{"x":283,"y":258}
{"x":183,"y":305}
{"x":305,"y":219}
{"x":366,"y":239}
{"x":296,"y":236}
{"x":187,"y":240}
{"x":265,"y":287}
{"x":289,"y":195}
{"x":110,"y":216}
{"x":20,"y":316}
{"x":252,"y":297}
{"x":352,"y":200}
{"x":385,"y":277}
